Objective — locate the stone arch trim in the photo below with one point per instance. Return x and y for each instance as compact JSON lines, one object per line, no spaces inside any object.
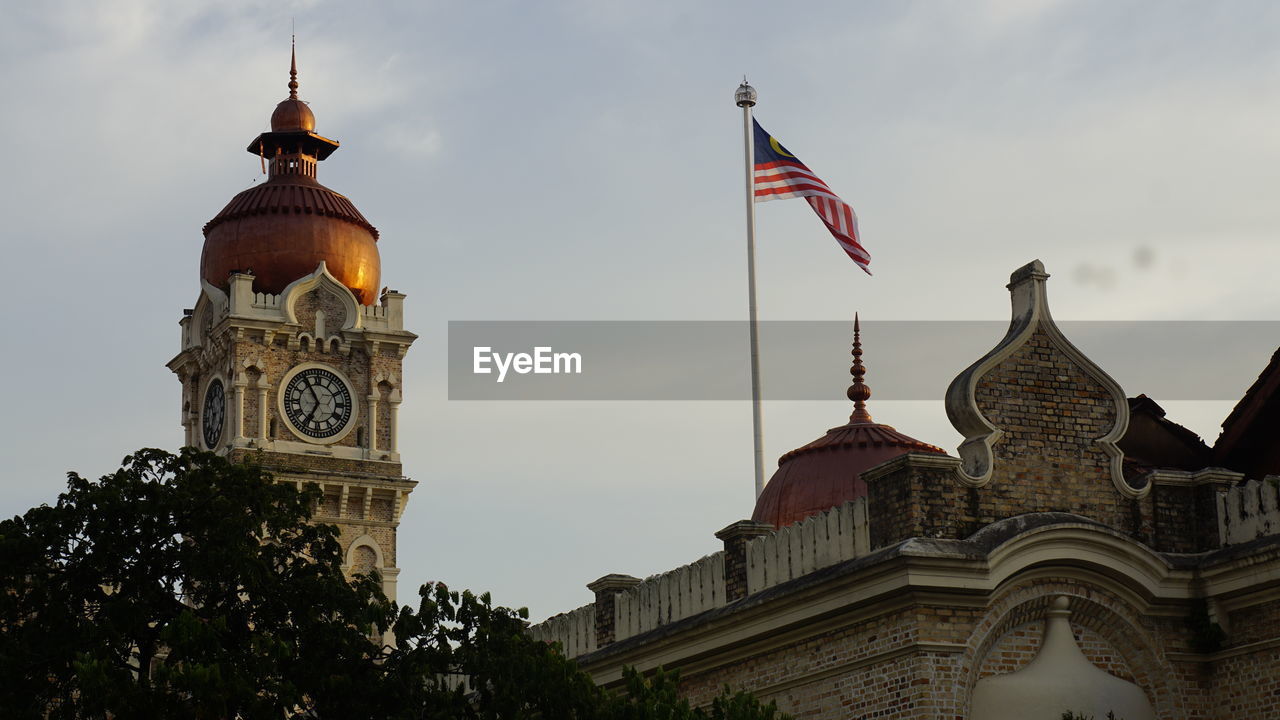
{"x":211,"y":307}
{"x":364,"y":541}
{"x":1028,"y":543}
{"x":1093,"y":606}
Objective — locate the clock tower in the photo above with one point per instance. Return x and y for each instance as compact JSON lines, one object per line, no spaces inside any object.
{"x":291,"y":357}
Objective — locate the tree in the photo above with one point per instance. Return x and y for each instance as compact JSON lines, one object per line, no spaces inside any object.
{"x":180,"y":585}
{"x":184,"y":586}
{"x":510,"y":676}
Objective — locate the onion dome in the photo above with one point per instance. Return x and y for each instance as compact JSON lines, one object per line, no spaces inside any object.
{"x":825,"y":473}
{"x":280,"y":230}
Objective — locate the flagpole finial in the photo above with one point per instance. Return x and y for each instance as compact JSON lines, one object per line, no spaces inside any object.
{"x":745,"y":95}
{"x":859,"y":393}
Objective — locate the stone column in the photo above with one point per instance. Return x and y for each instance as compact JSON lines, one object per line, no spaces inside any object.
{"x":390,"y":575}
{"x":606,"y":590}
{"x":262,"y":407}
{"x":736,"y":537}
{"x":372,"y":443}
{"x":394,"y":427}
{"x":241,"y":383}
{"x":189,"y":406}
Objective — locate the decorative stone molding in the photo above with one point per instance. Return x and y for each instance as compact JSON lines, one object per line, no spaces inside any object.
{"x":1030,"y":316}
{"x":321,"y":279}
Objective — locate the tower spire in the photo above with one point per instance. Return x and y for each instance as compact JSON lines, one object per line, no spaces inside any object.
{"x":859,"y":393}
{"x":293,"y":67}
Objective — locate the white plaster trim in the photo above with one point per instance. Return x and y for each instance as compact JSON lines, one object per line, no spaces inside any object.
{"x":1030,"y":312}
{"x":321,"y":278}
{"x":351,"y":390}
{"x":1059,"y":677}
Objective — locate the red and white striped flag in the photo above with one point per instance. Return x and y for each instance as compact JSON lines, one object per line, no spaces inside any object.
{"x":780,"y":175}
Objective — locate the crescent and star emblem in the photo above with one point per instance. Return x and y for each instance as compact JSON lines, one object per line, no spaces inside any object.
{"x":777,"y":147}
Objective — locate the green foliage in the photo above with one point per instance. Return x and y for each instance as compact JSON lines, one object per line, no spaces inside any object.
{"x":183,"y":586}
{"x":205,"y":572}
{"x":457,"y":656}
{"x":657,"y":698}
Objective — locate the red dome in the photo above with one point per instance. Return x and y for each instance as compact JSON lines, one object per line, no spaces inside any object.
{"x":826,"y":473}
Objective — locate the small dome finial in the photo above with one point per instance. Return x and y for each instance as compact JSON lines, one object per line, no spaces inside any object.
{"x":859,"y":393}
{"x":745,"y":95}
{"x":292,"y":114}
{"x":293,"y":67}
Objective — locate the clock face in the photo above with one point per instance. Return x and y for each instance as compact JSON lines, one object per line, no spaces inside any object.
{"x":317,"y":403}
{"x":215,"y":410}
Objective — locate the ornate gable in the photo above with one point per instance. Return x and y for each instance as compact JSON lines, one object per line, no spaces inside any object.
{"x":1037,"y":406}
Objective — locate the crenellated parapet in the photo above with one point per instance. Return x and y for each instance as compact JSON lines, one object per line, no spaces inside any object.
{"x":292,"y":314}
{"x":821,"y":541}
{"x":627,"y":607}
{"x":1250,"y":511}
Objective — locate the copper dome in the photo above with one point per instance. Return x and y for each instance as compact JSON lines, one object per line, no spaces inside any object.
{"x":293,"y":114}
{"x":826,"y":473}
{"x":283,"y":228}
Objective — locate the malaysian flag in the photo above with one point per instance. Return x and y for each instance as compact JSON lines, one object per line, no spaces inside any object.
{"x":780,"y":175}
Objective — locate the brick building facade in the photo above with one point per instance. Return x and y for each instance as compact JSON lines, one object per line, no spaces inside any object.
{"x":940,"y":583}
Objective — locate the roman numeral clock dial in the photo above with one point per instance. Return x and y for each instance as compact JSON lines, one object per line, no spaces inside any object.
{"x":317,"y":403}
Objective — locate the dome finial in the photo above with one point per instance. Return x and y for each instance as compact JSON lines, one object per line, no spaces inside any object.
{"x":293,"y":67}
{"x":859,"y":393}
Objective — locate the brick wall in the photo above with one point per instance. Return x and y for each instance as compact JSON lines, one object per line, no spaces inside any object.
{"x":921,"y":662}
{"x":833,"y":674}
{"x":1050,"y":413}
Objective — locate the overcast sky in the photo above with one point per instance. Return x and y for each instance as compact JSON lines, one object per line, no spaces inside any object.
{"x":582,"y":160}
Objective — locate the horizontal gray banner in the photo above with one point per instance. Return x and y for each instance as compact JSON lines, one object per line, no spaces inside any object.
{"x":905,"y":360}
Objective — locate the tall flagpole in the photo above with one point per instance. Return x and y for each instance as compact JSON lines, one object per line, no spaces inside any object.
{"x":745,"y":97}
